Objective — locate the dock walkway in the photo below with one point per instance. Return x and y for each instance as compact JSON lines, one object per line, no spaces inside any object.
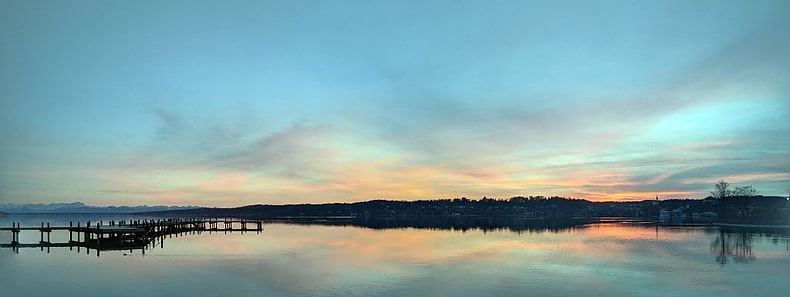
{"x":127,"y":234}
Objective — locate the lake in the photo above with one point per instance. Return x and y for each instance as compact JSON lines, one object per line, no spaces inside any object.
{"x":601,"y":258}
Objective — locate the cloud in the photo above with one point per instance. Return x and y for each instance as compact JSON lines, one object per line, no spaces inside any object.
{"x":300,"y":151}
{"x":434,"y":121}
{"x":489,"y":103}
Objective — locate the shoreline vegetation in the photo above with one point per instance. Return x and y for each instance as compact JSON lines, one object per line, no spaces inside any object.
{"x":755,"y":210}
{"x":735,"y":207}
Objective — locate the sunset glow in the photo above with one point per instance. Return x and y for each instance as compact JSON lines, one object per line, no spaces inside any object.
{"x":272,"y":102}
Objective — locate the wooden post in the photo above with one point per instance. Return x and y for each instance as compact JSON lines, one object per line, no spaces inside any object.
{"x":15,"y":236}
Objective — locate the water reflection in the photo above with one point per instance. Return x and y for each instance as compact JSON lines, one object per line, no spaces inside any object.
{"x":464,"y":224}
{"x":728,"y":245}
{"x":477,"y":258}
{"x":735,"y":246}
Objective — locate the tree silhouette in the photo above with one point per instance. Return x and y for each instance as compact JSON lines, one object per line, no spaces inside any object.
{"x":745,"y":191}
{"x":721,"y":190}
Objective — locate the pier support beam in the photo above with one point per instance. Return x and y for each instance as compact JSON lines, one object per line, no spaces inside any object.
{"x":144,"y":233}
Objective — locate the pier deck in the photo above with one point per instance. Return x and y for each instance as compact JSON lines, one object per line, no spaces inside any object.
{"x":125,"y":235}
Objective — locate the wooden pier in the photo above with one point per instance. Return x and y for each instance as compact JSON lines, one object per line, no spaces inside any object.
{"x":125,"y":235}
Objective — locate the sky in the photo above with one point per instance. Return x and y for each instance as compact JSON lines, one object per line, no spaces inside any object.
{"x":229,"y":103}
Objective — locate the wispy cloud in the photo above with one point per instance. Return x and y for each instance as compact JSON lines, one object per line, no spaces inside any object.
{"x":328,"y":103}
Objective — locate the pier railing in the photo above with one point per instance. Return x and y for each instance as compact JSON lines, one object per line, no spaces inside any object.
{"x":125,"y":234}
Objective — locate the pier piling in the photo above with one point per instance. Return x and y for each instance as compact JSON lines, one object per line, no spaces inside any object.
{"x":123,"y":235}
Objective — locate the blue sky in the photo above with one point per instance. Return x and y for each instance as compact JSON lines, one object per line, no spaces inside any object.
{"x":225,"y":103}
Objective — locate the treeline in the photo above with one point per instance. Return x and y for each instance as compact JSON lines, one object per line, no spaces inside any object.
{"x":521,"y":207}
{"x":757,"y":209}
{"x":516,"y":206}
{"x":741,"y":204}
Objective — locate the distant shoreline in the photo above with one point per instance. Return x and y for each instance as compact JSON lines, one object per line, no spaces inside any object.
{"x":777,"y":226}
{"x":770,"y":211}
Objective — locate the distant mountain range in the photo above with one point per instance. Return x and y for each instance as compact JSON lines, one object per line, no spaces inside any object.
{"x":79,"y":207}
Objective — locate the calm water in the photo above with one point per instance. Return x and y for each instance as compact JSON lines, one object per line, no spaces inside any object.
{"x":600,"y":259}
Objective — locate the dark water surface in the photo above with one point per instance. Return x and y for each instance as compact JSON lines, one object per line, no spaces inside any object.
{"x":598,"y":259}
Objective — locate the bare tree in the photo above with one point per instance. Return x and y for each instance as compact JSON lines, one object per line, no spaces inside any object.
{"x":745,"y":191}
{"x":721,"y":190}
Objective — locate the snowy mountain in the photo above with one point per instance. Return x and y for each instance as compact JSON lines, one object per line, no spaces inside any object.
{"x":79,"y":207}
